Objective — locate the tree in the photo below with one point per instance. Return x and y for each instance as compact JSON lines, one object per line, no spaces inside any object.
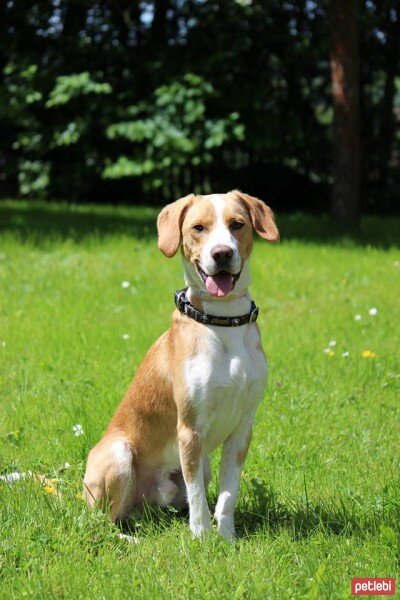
{"x":344,"y":62}
{"x":79,"y":81}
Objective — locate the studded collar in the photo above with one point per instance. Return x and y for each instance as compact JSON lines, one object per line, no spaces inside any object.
{"x":186,"y":308}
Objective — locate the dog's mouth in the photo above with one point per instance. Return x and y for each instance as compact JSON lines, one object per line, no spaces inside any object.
{"x":219,"y":284}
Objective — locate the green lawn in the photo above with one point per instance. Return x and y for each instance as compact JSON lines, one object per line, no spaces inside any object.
{"x":319,"y":501}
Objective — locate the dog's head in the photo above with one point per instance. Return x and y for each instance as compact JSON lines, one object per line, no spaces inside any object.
{"x":216,"y":233}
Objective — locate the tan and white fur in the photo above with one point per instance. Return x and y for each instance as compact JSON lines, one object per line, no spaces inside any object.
{"x":199,"y":385}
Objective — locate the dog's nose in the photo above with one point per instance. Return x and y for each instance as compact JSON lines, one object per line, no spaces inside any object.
{"x":221,"y":254}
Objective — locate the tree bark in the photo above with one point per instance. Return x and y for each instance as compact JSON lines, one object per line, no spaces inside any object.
{"x":392,"y":68}
{"x":344,"y":61}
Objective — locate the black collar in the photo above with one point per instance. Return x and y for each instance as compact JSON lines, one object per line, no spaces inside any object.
{"x":183,"y":305}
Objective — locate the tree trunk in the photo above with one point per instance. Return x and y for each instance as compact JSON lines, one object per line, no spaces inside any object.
{"x":344,"y":62}
{"x":388,"y":123}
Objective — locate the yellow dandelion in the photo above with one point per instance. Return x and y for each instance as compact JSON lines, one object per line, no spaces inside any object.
{"x":49,"y":489}
{"x":78,"y":496}
{"x":330,"y":353}
{"x":368,"y":354}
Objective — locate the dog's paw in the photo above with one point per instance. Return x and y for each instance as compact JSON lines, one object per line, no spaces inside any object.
{"x":226,"y":528}
{"x":200,"y":526}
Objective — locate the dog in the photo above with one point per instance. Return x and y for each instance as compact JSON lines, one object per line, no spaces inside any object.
{"x":201,"y":382}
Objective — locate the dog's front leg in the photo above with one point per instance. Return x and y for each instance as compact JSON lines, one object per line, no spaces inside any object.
{"x":234,"y":453}
{"x":191,"y":456}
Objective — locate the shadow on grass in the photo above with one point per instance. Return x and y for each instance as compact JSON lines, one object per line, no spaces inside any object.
{"x":152,"y":518}
{"x":262,"y":511}
{"x":374,"y":231}
{"x":40,"y":221}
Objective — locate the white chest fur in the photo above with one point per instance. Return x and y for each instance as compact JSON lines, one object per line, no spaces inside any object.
{"x":220,"y":380}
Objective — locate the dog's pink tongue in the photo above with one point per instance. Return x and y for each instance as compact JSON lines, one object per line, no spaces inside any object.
{"x":220,"y":284}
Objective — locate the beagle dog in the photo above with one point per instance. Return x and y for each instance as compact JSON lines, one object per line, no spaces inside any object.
{"x":200,"y":384}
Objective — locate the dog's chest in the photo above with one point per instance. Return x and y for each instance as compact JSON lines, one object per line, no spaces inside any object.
{"x":220,"y":380}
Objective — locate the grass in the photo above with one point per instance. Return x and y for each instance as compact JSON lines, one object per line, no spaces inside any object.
{"x":319,"y":501}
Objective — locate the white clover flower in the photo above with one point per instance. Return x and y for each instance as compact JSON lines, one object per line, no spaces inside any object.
{"x":373,"y":311}
{"x":332,"y":343}
{"x":345,"y":354}
{"x":125,"y":336}
{"x":357,"y":317}
{"x":78,"y":430}
{"x":125,"y":284}
{"x":327,"y":350}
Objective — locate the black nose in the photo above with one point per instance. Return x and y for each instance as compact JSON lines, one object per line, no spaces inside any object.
{"x":221,"y":254}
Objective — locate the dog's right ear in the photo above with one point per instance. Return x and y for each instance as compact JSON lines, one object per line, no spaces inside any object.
{"x":169,"y":225}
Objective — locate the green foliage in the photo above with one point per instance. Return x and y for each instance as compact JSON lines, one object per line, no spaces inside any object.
{"x":21,"y":83}
{"x":33,"y":178}
{"x":69,"y":87}
{"x":171,"y":132}
{"x":319,"y":498}
{"x":70,"y":134}
{"x":101,"y":93}
{"x":22,"y":97}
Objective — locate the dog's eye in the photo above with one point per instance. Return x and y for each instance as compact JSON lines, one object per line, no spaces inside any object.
{"x":237,"y":225}
{"x":198,"y":227}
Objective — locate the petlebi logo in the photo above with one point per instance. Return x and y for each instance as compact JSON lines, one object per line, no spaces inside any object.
{"x":373,"y":586}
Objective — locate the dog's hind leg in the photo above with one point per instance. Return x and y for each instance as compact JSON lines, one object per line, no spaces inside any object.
{"x":109,"y":481}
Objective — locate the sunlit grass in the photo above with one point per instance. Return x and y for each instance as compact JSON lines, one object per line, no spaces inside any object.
{"x":319,"y":502}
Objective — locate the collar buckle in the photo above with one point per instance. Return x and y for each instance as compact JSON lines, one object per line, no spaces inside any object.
{"x":254,"y":313}
{"x":181,"y":300}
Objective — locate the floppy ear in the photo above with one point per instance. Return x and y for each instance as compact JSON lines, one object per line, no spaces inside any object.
{"x":261,"y":216}
{"x":169,"y":225}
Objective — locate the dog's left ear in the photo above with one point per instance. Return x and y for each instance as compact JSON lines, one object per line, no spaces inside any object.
{"x":169,"y":225}
{"x":261,"y":216}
